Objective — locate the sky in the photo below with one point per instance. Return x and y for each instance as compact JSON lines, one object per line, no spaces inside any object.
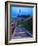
{"x":15,"y":11}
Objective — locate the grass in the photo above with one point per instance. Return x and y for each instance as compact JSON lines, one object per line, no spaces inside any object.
{"x":27,"y":25}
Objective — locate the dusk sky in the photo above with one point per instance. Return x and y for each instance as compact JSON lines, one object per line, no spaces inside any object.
{"x":15,"y":11}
